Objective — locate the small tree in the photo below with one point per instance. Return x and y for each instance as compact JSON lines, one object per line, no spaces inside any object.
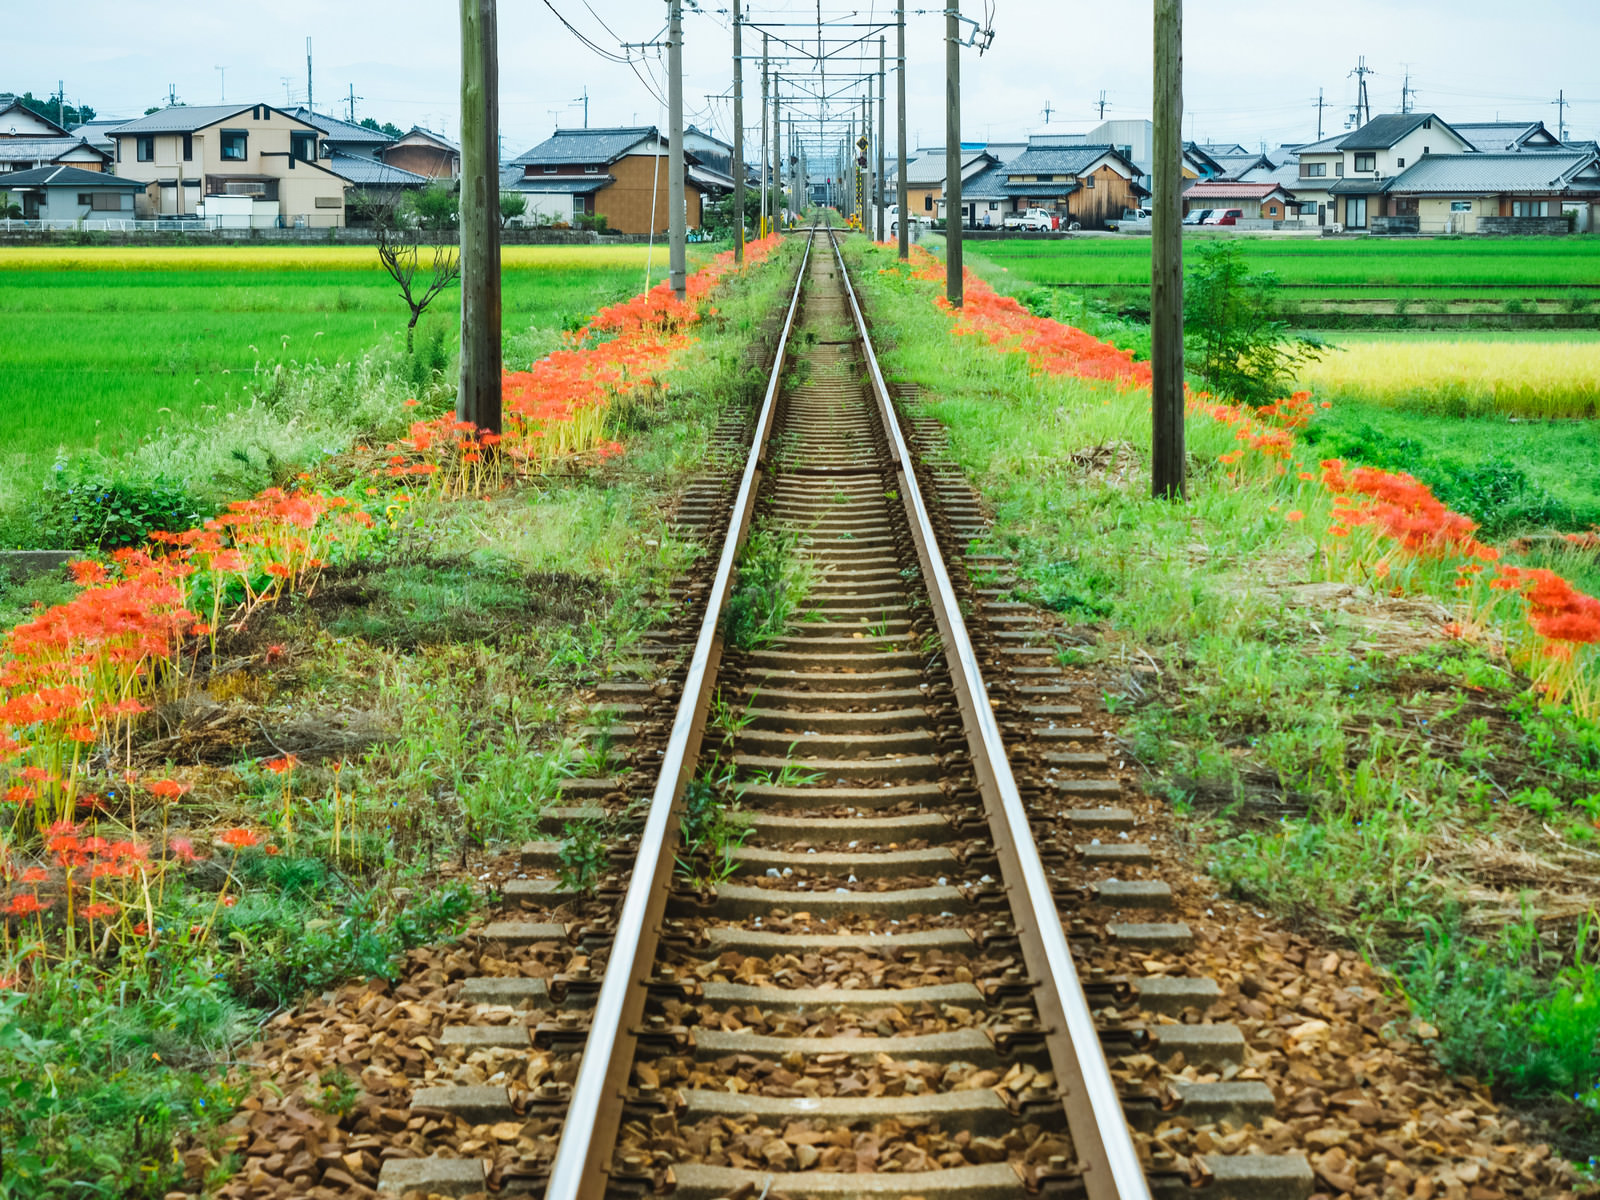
{"x":434,"y":207}
{"x":512,"y":204}
{"x":399,"y":250}
{"x":1235,"y":343}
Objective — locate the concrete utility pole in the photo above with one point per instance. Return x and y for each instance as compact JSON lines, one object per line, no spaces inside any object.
{"x":478,"y":398}
{"x":952,"y":153}
{"x":738,"y":136}
{"x":777,"y":150}
{"x":766,"y":155}
{"x":1166,"y":265}
{"x":883,"y":133}
{"x":1562,"y":104}
{"x":310,"y":105}
{"x":677,"y":226}
{"x":902,"y":188}
{"x":1321,"y":104}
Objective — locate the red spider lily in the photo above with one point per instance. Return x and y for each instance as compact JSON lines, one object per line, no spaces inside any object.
{"x":168,"y":789}
{"x":279,"y":766}
{"x":182,"y":849}
{"x":26,"y":904}
{"x":99,"y":912}
{"x":240,"y":838}
{"x":35,"y":875}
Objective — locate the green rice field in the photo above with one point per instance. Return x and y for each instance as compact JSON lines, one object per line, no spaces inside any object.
{"x":105,"y":347}
{"x":1436,"y":261}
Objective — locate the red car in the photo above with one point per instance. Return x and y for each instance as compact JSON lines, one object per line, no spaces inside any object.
{"x":1225,"y":216}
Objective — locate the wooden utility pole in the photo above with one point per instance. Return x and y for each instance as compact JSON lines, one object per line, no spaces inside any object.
{"x":766,"y":154}
{"x":1166,"y":261}
{"x":952,"y":153}
{"x":677,"y":228}
{"x":738,"y":136}
{"x":478,"y":397}
{"x":883,"y":133}
{"x":902,"y":188}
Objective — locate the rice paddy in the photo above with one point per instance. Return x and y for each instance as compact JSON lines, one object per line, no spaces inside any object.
{"x":1556,"y":379}
{"x":108,"y":346}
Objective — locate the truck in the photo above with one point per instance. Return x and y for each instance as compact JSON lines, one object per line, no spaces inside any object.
{"x":1035,"y":220}
{"x":1133,"y":220}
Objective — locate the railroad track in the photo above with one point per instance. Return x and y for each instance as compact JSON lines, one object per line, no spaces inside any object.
{"x":874,"y":989}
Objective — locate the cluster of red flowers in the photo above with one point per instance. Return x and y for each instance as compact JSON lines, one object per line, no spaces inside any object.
{"x":71,"y":678}
{"x":1052,"y":348}
{"x":1402,"y":509}
{"x":89,"y":880}
{"x":557,"y":408}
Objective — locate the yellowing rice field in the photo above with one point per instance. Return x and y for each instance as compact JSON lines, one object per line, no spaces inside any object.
{"x":296,"y":257}
{"x":1552,"y":380}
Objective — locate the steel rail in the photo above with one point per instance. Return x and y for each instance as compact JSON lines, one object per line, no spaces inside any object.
{"x":1094,"y":1111}
{"x":594,"y":1115}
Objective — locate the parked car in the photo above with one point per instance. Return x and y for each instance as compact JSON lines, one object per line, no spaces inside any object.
{"x":1133,"y":220}
{"x":1224,"y":216}
{"x":1198,"y":216}
{"x":1034,"y":220}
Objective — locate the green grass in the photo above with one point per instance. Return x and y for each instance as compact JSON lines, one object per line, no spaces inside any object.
{"x":106,"y":358}
{"x":1512,"y":477}
{"x":1551,"y":261}
{"x":1350,"y":776}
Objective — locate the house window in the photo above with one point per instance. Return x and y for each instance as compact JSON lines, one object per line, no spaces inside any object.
{"x":106,"y":202}
{"x":146,"y":149}
{"x":549,"y":170}
{"x":1355,"y":212}
{"x":1461,"y":206}
{"x":1428,"y":124}
{"x":303,"y":146}
{"x":188,"y":147}
{"x":1530,"y":208}
{"x":579,"y":206}
{"x":1399,"y":163}
{"x":235,"y":145}
{"x":1366,"y":162}
{"x":927,"y":203}
{"x":1338,"y":168}
{"x":1427,"y":150}
{"x":1313,"y":170}
{"x":85,"y":199}
{"x":1404,"y":207}
{"x":591,"y":170}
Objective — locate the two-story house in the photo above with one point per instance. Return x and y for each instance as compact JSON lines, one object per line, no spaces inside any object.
{"x":1343,"y":176}
{"x":1083,"y":185}
{"x":251,"y":165}
{"x":619,"y":174}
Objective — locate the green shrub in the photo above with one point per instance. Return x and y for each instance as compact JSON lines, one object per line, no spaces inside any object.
{"x":84,"y":505}
{"x":1234,"y":341}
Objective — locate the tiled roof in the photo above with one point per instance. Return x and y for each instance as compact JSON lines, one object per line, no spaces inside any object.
{"x":569,"y":185}
{"x":588,"y":145}
{"x":367,"y":172}
{"x":182,"y":118}
{"x":1056,"y":160}
{"x":1491,"y":174}
{"x":1219,"y":189}
{"x":1380,"y":133}
{"x":340,"y":131}
{"x":65,"y":176}
{"x":27,"y":149}
{"x":1497,"y":136}
{"x":431,"y":135}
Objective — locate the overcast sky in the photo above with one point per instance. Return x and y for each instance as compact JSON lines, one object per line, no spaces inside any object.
{"x":1253,"y":67}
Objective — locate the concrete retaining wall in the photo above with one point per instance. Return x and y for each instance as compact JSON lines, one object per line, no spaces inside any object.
{"x":1523,"y":226}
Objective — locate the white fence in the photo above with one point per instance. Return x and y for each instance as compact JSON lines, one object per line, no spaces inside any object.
{"x":111,"y":225}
